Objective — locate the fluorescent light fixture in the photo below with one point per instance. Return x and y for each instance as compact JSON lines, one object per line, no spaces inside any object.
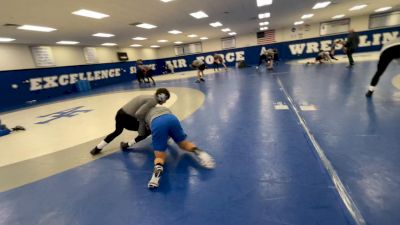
{"x":306,"y":16}
{"x":264,"y":23}
{"x":136,"y":45}
{"x":175,"y":32}
{"x":178,"y":42}
{"x":261,"y":3}
{"x":263,"y":28}
{"x":357,"y":7}
{"x":232,"y":33}
{"x":154,"y":46}
{"x":166,"y":0}
{"x":226,"y":30}
{"x":203,"y":38}
{"x":321,"y":5}
{"x":36,"y":28}
{"x":383,"y":9}
{"x":103,"y":35}
{"x":162,"y":41}
{"x":146,"y":26}
{"x":91,"y":14}
{"x":338,"y":16}
{"x":109,"y":44}
{"x":139,"y":38}
{"x":264,"y":15}
{"x":192,"y":35}
{"x":216,"y":24}
{"x":4,"y":39}
{"x":67,"y":42}
{"x":298,"y":22}
{"x":199,"y":15}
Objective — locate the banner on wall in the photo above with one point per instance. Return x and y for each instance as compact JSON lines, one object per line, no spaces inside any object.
{"x":21,"y":86}
{"x":43,"y":56}
{"x":90,"y":54}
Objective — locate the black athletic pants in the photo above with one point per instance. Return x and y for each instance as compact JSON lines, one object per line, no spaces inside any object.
{"x":386,"y":57}
{"x":349,"y":53}
{"x":122,"y":121}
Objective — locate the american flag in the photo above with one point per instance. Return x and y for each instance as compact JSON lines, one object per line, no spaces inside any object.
{"x":265,"y":37}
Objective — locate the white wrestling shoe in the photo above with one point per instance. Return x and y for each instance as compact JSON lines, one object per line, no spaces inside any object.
{"x":205,"y":159}
{"x":155,"y":178}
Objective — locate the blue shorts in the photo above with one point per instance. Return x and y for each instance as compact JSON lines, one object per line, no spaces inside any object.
{"x":164,"y":127}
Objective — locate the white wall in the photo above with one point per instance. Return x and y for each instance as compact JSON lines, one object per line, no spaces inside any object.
{"x":18,"y":56}
{"x":14,"y":56}
{"x":140,"y":53}
{"x":302,"y":32}
{"x":65,"y":56}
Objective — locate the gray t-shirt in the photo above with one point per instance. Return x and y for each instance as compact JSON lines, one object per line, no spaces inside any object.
{"x":138,"y":107}
{"x":156,"y":112}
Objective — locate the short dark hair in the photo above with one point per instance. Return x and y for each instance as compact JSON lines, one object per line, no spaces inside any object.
{"x":164,"y":91}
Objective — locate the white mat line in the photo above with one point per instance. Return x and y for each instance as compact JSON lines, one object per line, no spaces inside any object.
{"x":344,"y":195}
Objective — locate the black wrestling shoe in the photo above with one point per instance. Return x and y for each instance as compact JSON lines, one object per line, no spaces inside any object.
{"x":124,"y":146}
{"x":18,"y":128}
{"x":202,"y":79}
{"x":95,"y":151}
{"x":369,"y":94}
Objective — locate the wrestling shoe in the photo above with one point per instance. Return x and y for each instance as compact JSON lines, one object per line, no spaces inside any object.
{"x":124,"y":146}
{"x":369,"y":94}
{"x":18,"y":128}
{"x":205,"y":159}
{"x":95,"y":151}
{"x":155,"y":178}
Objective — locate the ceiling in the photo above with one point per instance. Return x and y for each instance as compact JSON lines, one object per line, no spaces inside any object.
{"x":239,"y":15}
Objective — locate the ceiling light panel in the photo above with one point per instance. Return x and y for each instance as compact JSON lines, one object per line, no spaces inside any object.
{"x":203,"y":38}
{"x":109,"y":44}
{"x":338,"y":16}
{"x":136,"y":45}
{"x":321,"y":5}
{"x":162,"y":41}
{"x":264,"y":15}
{"x":226,"y":30}
{"x":36,"y":28}
{"x":357,"y":7}
{"x":383,"y":9}
{"x":264,"y":23}
{"x":232,"y":33}
{"x":307,"y":16}
{"x":199,"y":15}
{"x":154,"y":46}
{"x":298,"y":22}
{"x":4,"y":39}
{"x":263,"y":28}
{"x":175,"y":32}
{"x":90,"y":14}
{"x":146,"y":26}
{"x":103,"y":35}
{"x":192,"y":35}
{"x":216,"y":24}
{"x":178,"y":42}
{"x":261,"y":3}
{"x":139,"y":38}
{"x":67,"y":42}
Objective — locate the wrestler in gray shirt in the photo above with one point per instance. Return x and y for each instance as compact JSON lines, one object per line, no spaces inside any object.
{"x":138,"y":108}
